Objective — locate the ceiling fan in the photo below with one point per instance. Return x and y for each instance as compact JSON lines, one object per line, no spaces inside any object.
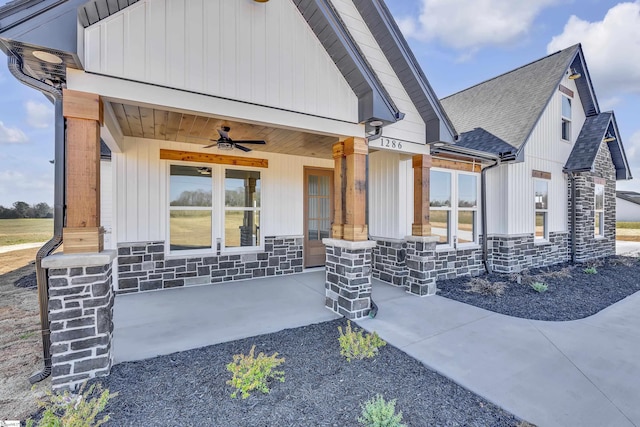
{"x":226,"y":143}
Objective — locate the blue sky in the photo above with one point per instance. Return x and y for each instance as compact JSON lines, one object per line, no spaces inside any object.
{"x":458,"y":43}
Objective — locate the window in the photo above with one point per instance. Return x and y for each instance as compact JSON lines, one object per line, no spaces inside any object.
{"x":190,"y":208}
{"x":241,"y":208}
{"x":541,"y":201}
{"x":566,"y":118}
{"x":467,"y":208}
{"x":440,"y":205}
{"x":599,"y":210}
{"x":454,"y":223}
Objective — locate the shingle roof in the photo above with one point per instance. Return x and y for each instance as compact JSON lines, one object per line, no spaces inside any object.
{"x":507,"y":107}
{"x":588,"y":143}
{"x":629,"y":196}
{"x":584,"y":151}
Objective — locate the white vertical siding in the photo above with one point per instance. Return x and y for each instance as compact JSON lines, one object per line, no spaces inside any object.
{"x":497,"y":202}
{"x":238,"y":50}
{"x":106,"y":202}
{"x":627,"y":211}
{"x":412,"y":127}
{"x":141,"y":180}
{"x":545,"y":151}
{"x":390,"y":195}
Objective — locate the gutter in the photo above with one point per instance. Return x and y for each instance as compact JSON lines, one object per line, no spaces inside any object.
{"x":572,"y":179}
{"x":373,"y":309}
{"x":55,"y":95}
{"x":483,"y":201}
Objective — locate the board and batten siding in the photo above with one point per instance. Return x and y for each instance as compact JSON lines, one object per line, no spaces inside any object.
{"x":142,"y":179}
{"x":106,"y":203}
{"x":627,"y":211}
{"x":240,"y":50}
{"x":511,"y":188}
{"x":412,"y":128}
{"x":390,"y":195}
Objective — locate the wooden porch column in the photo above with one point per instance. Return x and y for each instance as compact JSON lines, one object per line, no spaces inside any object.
{"x":421,"y":169}
{"x":355,"y":226}
{"x":83,"y":114}
{"x":337,"y":228}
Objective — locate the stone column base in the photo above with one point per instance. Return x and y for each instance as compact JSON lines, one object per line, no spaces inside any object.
{"x":348,"y":277}
{"x":81,"y":300}
{"x":421,"y":257}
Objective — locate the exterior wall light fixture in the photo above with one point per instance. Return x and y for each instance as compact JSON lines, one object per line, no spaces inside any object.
{"x":574,"y":74}
{"x":609,"y":137}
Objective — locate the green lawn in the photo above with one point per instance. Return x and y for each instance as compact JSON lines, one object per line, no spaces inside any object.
{"x":628,"y":225}
{"x":17,"y":231}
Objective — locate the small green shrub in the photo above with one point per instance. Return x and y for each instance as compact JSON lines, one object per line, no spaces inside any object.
{"x":590,"y":270}
{"x":539,"y":287}
{"x":253,"y":373}
{"x":75,"y":410}
{"x":378,"y":413}
{"x":486,"y":287}
{"x":358,"y":345}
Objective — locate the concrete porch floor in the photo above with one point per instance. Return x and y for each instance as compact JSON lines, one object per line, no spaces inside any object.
{"x":156,"y":323}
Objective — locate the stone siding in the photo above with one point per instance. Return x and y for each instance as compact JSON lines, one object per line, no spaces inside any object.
{"x":389,"y":261}
{"x":421,"y":262}
{"x":588,"y":246}
{"x":348,"y":277}
{"x":508,"y":254}
{"x":81,"y":315}
{"x":144,"y":266}
{"x":458,"y":263}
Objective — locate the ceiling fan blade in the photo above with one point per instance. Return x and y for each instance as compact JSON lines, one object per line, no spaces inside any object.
{"x":250,"y":142}
{"x":212,"y":145}
{"x":240,"y":147}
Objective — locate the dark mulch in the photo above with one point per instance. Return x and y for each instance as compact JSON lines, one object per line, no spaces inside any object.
{"x":568,"y":298}
{"x":321,"y":388}
{"x":27,"y":282}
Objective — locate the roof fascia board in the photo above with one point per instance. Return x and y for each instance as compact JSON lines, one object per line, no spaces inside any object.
{"x":587,"y":75}
{"x":375,"y":102}
{"x":396,"y":37}
{"x":618,"y":141}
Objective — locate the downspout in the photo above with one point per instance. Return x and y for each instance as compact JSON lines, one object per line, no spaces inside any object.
{"x":572,"y":179}
{"x":483,"y":201}
{"x":377,"y":135}
{"x":55,"y":94}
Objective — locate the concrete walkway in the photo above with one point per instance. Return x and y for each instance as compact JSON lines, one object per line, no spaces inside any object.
{"x":11,"y":248}
{"x":627,"y":248}
{"x":578,"y":373}
{"x":154,"y":323}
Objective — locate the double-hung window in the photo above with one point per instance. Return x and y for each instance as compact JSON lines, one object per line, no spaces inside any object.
{"x":541,"y":201}
{"x":599,"y":210}
{"x":190,"y":208}
{"x":453,"y":201}
{"x":242,"y":190}
{"x":566,"y":118}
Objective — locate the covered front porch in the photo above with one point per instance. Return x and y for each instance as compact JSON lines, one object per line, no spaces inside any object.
{"x":156,"y":323}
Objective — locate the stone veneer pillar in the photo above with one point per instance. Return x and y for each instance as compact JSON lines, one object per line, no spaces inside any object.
{"x":348,"y":277}
{"x":81,"y":300}
{"x":421,"y":262}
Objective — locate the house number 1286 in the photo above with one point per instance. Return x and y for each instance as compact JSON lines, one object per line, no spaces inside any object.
{"x":390,"y":143}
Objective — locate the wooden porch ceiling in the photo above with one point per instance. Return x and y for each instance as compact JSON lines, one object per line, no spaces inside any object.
{"x":152,"y":123}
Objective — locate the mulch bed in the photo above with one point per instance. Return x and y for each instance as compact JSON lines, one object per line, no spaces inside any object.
{"x":321,"y":388}
{"x":569,"y":297}
{"x":27,"y":282}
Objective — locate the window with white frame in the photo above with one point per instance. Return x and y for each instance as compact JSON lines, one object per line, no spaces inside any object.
{"x":541,"y":202}
{"x":566,"y":118}
{"x":242,"y":190}
{"x":599,"y":210}
{"x":453,"y":201}
{"x":190,"y":208}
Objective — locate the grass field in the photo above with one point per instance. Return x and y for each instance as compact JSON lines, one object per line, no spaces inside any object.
{"x":628,"y":231}
{"x":18,"y":231}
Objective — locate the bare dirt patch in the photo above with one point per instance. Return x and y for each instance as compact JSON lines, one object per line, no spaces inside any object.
{"x":20,"y":340}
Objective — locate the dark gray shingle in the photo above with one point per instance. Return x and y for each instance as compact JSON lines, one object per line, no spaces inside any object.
{"x":588,"y":143}
{"x":507,"y":107}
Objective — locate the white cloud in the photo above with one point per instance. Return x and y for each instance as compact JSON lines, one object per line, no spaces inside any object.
{"x":31,"y":188}
{"x":39,"y":114}
{"x":608,"y":103}
{"x":10,"y":135}
{"x":611,"y":47}
{"x":469,"y":25}
{"x":632,"y":147}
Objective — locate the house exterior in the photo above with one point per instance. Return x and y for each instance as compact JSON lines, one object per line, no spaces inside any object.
{"x":355,"y":164}
{"x":627,"y":206}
